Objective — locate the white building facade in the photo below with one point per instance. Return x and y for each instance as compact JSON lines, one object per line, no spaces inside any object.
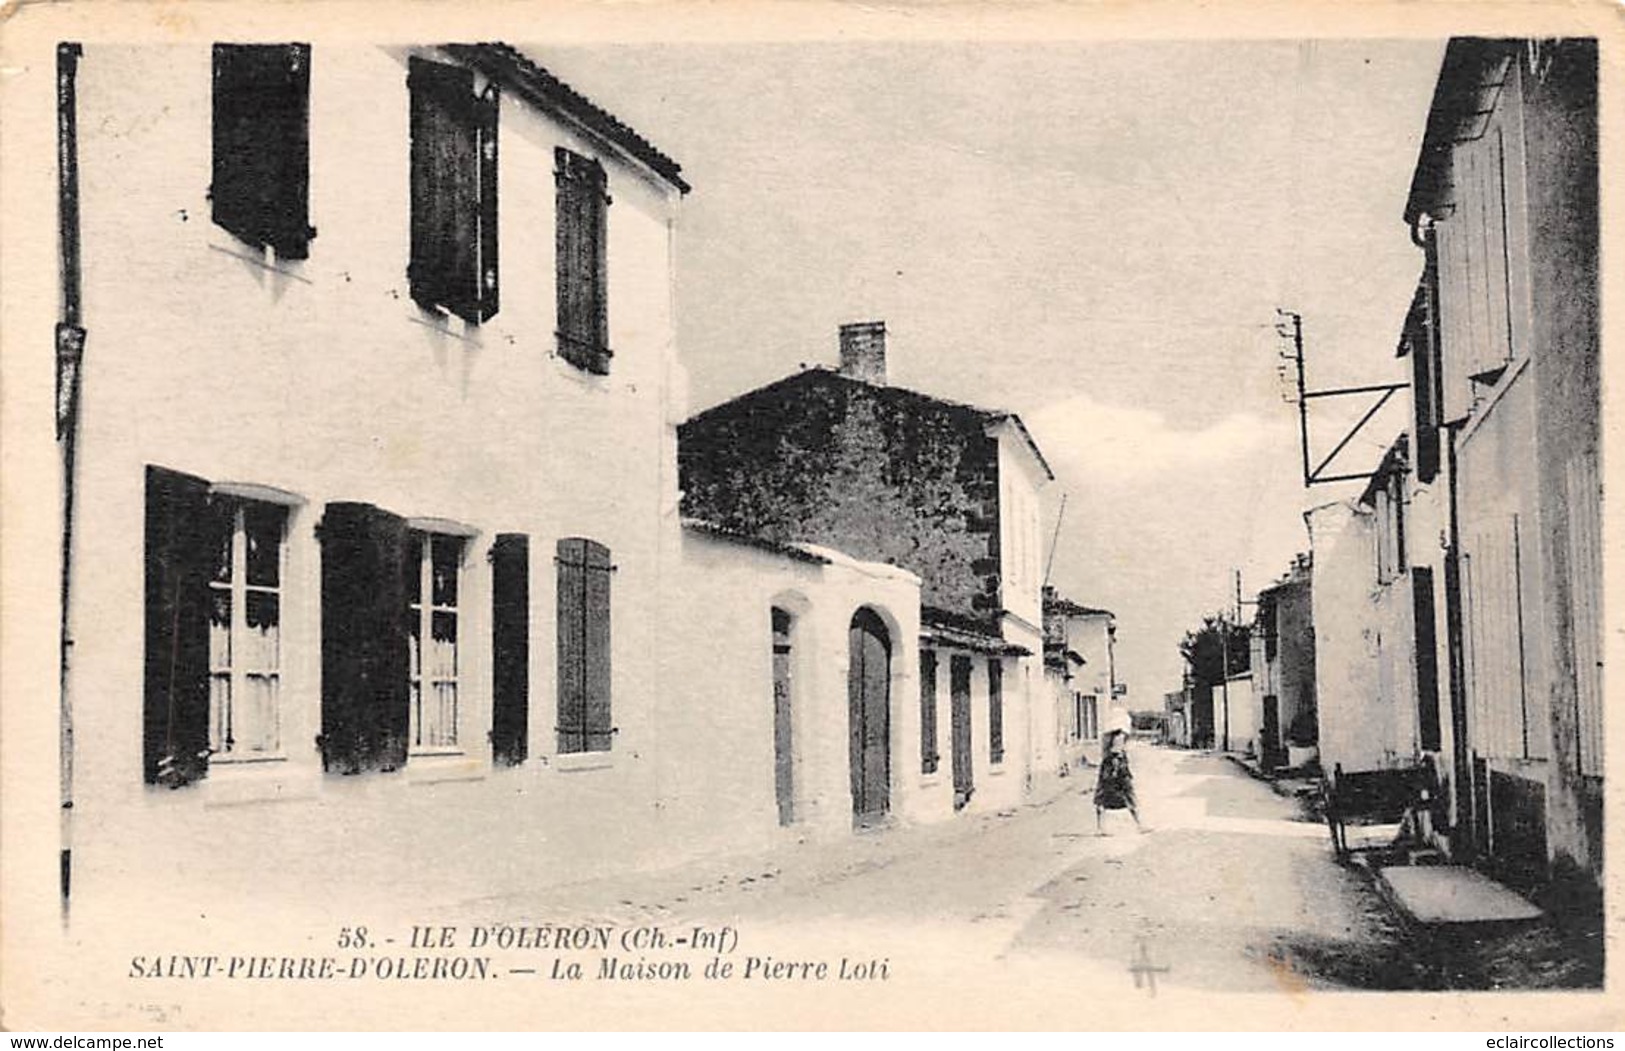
{"x":371,"y":452}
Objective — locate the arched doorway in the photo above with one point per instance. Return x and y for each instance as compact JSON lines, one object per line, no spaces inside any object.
{"x":869,"y":711}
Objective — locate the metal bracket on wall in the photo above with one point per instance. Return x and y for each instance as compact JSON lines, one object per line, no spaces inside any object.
{"x":1316,"y":475}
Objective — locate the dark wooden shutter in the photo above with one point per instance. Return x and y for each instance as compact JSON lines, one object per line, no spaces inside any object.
{"x":365,"y":684}
{"x":510,"y":647}
{"x":572,"y":714}
{"x":580,"y":233}
{"x":995,"y":710}
{"x":1427,"y":658}
{"x":600,"y":726}
{"x":486,"y":110}
{"x":584,"y":718}
{"x":928,"y":711}
{"x":959,"y":669}
{"x":261,"y":187}
{"x":1427,"y":391}
{"x":181,"y":538}
{"x":447,"y":122}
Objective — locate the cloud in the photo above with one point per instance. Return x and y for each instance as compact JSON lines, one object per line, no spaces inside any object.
{"x":1161,"y":515}
{"x":1122,"y":443}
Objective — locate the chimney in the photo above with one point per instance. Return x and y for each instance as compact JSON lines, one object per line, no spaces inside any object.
{"x":863,"y":351}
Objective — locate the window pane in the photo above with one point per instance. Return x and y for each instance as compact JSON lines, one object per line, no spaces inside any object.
{"x":263,"y":524}
{"x":448,"y":552}
{"x":412,"y":568}
{"x":442,"y":732}
{"x":414,"y":631}
{"x":264,"y":610}
{"x":264,"y":631}
{"x":220,"y":737}
{"x":443,"y":655}
{"x":217,"y":526}
{"x":256,"y":729}
{"x":219,"y":629}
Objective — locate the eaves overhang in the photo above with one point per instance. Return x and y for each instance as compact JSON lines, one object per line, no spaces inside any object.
{"x":516,"y":71}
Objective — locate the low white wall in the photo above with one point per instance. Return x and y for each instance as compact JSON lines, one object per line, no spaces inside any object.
{"x":718,"y":692}
{"x":1354,"y":727}
{"x":1246,"y":714}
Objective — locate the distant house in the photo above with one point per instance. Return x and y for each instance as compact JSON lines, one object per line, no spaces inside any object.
{"x":1504,"y":349}
{"x":1079,"y":672}
{"x":1176,"y":715}
{"x":1286,"y":726}
{"x":945,"y":490}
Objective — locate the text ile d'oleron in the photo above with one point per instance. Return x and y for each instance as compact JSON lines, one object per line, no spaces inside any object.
{"x":546,"y":952}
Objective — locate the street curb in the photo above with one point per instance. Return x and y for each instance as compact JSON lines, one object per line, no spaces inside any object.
{"x":1258,"y":775}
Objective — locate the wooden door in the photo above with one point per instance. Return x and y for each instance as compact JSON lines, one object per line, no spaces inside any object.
{"x":959,"y":689}
{"x":869,"y":700}
{"x":783,"y":752}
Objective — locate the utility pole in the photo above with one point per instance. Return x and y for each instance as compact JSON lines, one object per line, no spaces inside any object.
{"x":1239,"y":605}
{"x":1224,"y":676}
{"x":1224,"y":655}
{"x":1055,"y":540}
{"x":1317,"y":475}
{"x":1303,"y":399}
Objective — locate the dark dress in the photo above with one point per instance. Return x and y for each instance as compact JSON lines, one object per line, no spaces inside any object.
{"x":1114,"y":786}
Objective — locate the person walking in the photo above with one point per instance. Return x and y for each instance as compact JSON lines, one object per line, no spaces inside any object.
{"x":1114,"y":785}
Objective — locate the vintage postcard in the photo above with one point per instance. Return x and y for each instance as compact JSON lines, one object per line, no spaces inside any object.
{"x":804,"y":516}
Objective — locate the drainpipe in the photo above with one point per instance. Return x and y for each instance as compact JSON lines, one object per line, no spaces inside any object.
{"x":70,"y":348}
{"x":1464,"y":844}
{"x":1463,"y":836}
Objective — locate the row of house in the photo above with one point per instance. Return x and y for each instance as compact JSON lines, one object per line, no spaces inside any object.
{"x":1449,"y":615}
{"x":1261,"y":700}
{"x":1457,"y":599}
{"x":1082,"y":702}
{"x":442,"y":587}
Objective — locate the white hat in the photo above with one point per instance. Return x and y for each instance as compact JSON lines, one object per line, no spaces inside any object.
{"x":1120,"y":723}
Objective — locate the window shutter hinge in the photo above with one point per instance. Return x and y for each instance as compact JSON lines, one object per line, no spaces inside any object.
{"x":558,"y":561}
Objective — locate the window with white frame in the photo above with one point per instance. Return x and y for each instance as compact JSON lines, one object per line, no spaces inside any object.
{"x":431,"y":569}
{"x":1390,"y":529}
{"x":245,"y":628}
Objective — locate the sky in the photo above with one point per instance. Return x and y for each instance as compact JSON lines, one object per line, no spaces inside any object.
{"x":1095,"y":235}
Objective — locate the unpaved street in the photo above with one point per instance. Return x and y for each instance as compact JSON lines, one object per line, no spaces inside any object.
{"x":1231,"y":889}
{"x":1234,"y":890}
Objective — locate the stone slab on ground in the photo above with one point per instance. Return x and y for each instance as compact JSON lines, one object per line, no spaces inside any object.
{"x":1438,"y":894}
